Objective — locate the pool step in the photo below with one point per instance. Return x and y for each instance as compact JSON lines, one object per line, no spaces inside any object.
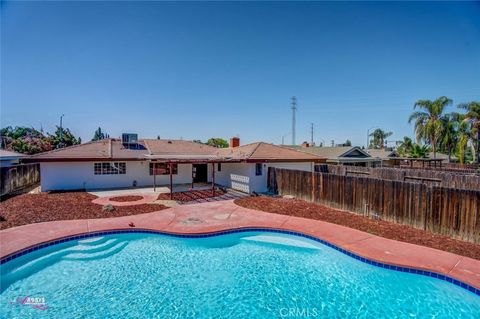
{"x":97,"y":255}
{"x":29,"y":267}
{"x":283,"y":241}
{"x":93,"y":240}
{"x":106,"y":244}
{"x":97,"y":248}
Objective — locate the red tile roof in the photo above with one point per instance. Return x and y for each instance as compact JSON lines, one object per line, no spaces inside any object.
{"x":179,"y":150}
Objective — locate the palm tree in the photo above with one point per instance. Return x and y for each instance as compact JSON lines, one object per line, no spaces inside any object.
{"x":405,"y":145}
{"x":464,"y":134}
{"x":379,"y":137}
{"x":473,"y":117}
{"x":428,"y":126}
{"x":449,"y":136}
{"x":419,"y":151}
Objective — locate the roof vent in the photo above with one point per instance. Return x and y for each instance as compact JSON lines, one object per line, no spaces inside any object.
{"x":129,"y":138}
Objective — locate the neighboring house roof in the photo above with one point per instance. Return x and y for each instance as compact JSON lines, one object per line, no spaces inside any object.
{"x":171,"y":150}
{"x":338,"y":153}
{"x":9,"y":155}
{"x":382,"y":153}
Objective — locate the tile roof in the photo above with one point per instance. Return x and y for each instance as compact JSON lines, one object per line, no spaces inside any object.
{"x":330,"y":152}
{"x":10,"y":154}
{"x":261,"y":151}
{"x":383,"y":154}
{"x":113,"y":149}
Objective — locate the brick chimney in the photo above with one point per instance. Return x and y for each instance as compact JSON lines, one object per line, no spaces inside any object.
{"x":235,"y":142}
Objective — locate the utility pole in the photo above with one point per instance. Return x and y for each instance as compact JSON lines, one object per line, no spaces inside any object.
{"x":294,"y":110}
{"x":60,"y":145}
{"x":311,"y":135}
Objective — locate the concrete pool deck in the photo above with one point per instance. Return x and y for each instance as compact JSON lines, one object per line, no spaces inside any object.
{"x":225,"y":215}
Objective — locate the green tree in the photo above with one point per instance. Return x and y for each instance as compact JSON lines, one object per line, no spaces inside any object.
{"x":464,"y":134}
{"x":449,"y":135}
{"x":379,"y":137}
{"x":25,"y":140}
{"x":419,"y":151}
{"x":472,"y":116}
{"x":99,"y":135}
{"x":405,"y":146}
{"x":428,"y":126}
{"x":217,"y":142}
{"x":63,"y":137}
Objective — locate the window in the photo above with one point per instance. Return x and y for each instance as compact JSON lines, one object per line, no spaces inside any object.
{"x":219,"y":167}
{"x":163,"y":169}
{"x":109,"y":168}
{"x":258,"y":169}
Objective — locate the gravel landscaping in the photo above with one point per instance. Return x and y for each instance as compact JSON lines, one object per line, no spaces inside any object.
{"x":43,"y":207}
{"x":300,"y":208}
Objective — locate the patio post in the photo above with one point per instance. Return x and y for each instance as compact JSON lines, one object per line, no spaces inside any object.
{"x":313,"y":182}
{"x":213,"y":179}
{"x":154,"y":177}
{"x":170,"y":166}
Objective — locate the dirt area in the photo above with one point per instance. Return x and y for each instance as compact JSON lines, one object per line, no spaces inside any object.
{"x":35,"y":208}
{"x":130,"y":198}
{"x":385,"y":229}
{"x":191,"y":195}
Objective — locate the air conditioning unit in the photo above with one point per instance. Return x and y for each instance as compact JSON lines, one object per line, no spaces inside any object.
{"x":129,"y":138}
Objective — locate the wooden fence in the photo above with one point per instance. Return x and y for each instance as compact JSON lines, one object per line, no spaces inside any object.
{"x":447,"y":211}
{"x":16,"y":178}
{"x":463,"y":180}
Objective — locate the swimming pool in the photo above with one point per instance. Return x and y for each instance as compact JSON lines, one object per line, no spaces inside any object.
{"x":238,"y":275}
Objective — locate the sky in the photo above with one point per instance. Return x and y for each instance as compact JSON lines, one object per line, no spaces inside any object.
{"x":195,"y":70}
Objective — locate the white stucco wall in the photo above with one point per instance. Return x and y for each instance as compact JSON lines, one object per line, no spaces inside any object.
{"x":79,"y":175}
{"x":241,"y":176}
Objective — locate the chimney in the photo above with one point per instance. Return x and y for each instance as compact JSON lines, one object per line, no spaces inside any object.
{"x":235,"y":142}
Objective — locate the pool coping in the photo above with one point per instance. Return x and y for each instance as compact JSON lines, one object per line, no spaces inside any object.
{"x":172,"y":225}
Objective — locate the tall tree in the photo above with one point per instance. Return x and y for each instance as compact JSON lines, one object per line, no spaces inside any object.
{"x":99,"y":135}
{"x":217,"y":142}
{"x":449,"y":135}
{"x":379,"y":137}
{"x":472,"y":116}
{"x":464,"y":134}
{"x":405,"y":146}
{"x":63,"y":137}
{"x":428,"y":126}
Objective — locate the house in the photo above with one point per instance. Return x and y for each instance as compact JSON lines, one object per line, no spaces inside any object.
{"x":9,"y":158}
{"x":341,"y":155}
{"x":387,"y":156}
{"x":392,"y":158}
{"x":133,"y":162}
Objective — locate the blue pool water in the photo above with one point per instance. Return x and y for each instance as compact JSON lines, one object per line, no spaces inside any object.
{"x":241,"y":275}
